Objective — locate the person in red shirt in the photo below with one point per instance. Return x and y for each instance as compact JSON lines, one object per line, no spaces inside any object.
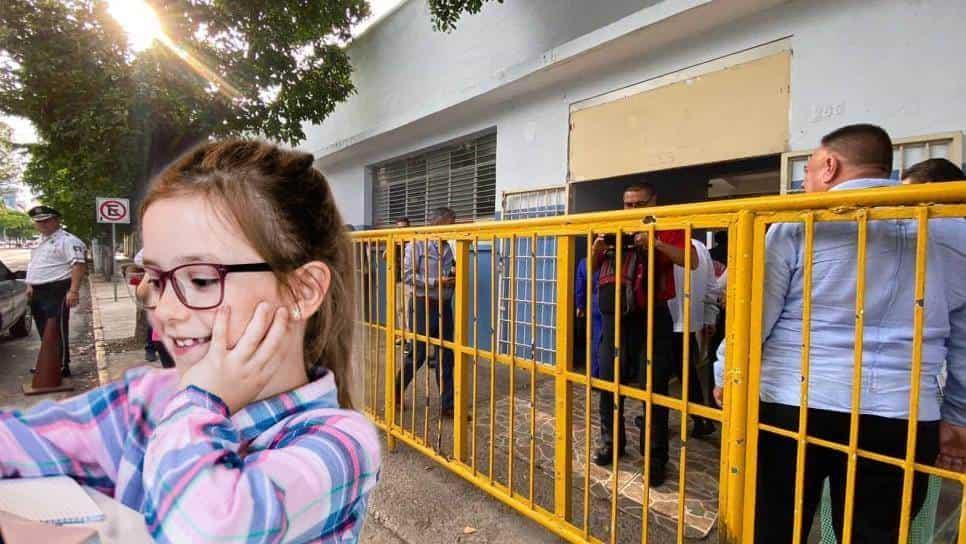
{"x":669,"y":251}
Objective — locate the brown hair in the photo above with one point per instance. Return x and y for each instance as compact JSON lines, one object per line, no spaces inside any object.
{"x":933,"y":170}
{"x":285,"y":209}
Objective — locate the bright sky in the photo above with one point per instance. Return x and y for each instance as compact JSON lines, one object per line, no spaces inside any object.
{"x":378,"y":9}
{"x":23,"y":131}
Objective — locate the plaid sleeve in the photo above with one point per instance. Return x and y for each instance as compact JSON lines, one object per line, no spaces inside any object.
{"x":81,"y":437}
{"x":311,"y":484}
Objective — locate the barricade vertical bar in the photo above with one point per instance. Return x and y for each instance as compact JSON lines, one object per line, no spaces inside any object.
{"x":426,"y":370}
{"x":414,"y":263}
{"x":360,"y":303}
{"x":476,"y":346}
{"x":743,"y":376}
{"x":648,"y":386}
{"x":461,"y":374}
{"x":373,"y":261}
{"x":390,"y":370}
{"x":962,"y":515}
{"x":513,"y":359}
{"x":617,"y":414}
{"x":380,"y":312}
{"x":918,"y":317}
{"x":440,"y":352}
{"x":862,"y":218}
{"x":806,"y":366}
{"x":563,"y":398}
{"x":590,"y":299}
{"x":494,"y":348}
{"x":723,"y":468}
{"x":685,"y":381}
{"x":369,"y":319}
{"x":461,"y":369}
{"x":409,"y":304}
{"x":363,"y":318}
{"x":533,"y":360}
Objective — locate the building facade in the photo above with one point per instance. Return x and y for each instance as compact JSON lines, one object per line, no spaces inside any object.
{"x":544,"y":107}
{"x":577,"y":98}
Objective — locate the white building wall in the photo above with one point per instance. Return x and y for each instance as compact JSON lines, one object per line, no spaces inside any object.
{"x":890,"y":62}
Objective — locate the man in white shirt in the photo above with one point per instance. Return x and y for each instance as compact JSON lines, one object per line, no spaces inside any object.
{"x":703,"y":314}
{"x":57,"y":267}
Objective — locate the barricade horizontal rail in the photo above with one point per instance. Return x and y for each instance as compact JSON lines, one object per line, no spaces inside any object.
{"x":466,"y":338}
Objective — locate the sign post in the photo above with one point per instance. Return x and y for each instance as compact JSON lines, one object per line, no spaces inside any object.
{"x":114,"y":211}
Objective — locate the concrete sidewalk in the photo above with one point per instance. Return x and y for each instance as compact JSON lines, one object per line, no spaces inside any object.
{"x":414,"y":501}
{"x":114,"y":329}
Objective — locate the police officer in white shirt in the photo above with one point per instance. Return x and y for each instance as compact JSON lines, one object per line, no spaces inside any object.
{"x":57,"y":267}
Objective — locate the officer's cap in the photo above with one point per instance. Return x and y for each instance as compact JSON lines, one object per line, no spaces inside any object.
{"x":42,"y":213}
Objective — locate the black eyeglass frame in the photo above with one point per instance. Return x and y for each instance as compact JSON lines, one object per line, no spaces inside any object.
{"x":223,"y":270}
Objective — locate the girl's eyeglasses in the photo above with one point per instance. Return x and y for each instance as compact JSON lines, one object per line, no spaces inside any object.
{"x":199,"y":286}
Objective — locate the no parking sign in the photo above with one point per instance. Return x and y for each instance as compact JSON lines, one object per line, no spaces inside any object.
{"x":114,"y":210}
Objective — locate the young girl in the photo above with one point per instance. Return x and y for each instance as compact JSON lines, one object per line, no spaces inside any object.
{"x":251,"y":437}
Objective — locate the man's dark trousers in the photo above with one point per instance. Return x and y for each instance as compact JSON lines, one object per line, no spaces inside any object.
{"x":668,"y":364}
{"x":419,"y":308}
{"x":48,"y":302}
{"x":633,"y":353}
{"x":878,"y":486}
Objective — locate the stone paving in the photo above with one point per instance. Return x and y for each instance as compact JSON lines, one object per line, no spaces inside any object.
{"x":702,"y":459}
{"x":702,"y":454}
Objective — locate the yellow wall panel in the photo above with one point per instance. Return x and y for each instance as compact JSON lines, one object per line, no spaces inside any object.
{"x":737,"y":112}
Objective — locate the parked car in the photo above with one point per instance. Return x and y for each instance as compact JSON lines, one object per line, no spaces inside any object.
{"x":14,"y":311}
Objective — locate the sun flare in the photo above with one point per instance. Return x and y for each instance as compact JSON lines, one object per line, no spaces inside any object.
{"x":137,"y":19}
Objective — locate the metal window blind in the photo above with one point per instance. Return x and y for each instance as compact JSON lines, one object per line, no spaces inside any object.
{"x":460,"y":176}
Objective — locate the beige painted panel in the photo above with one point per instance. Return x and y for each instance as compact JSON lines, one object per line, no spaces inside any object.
{"x":732,"y":113}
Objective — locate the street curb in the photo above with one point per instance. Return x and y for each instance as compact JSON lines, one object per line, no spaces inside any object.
{"x":100,"y":346}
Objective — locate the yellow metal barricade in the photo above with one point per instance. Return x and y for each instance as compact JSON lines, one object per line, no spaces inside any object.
{"x":511,"y":407}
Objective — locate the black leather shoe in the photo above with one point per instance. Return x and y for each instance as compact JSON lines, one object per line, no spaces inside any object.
{"x":65,"y":372}
{"x":605,"y":456}
{"x":702,"y":428}
{"x":150,"y":356}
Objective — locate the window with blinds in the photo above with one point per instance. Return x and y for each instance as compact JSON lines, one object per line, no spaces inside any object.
{"x":460,"y":176}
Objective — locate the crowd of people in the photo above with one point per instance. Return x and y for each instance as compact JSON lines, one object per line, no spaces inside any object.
{"x":256,"y":317}
{"x":851,"y":158}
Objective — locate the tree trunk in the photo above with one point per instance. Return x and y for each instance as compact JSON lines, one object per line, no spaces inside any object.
{"x":141,"y":329}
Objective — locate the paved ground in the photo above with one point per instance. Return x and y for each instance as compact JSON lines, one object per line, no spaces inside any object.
{"x":17,"y":357}
{"x":426,"y":427}
{"x":418,"y":500}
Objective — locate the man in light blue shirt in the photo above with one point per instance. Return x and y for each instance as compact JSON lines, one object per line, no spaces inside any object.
{"x":428,"y":269}
{"x":855,"y":157}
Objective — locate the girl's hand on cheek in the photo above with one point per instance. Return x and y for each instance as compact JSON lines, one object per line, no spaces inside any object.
{"x":238,"y":374}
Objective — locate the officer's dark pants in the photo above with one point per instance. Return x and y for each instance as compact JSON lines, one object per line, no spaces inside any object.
{"x":48,"y":302}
